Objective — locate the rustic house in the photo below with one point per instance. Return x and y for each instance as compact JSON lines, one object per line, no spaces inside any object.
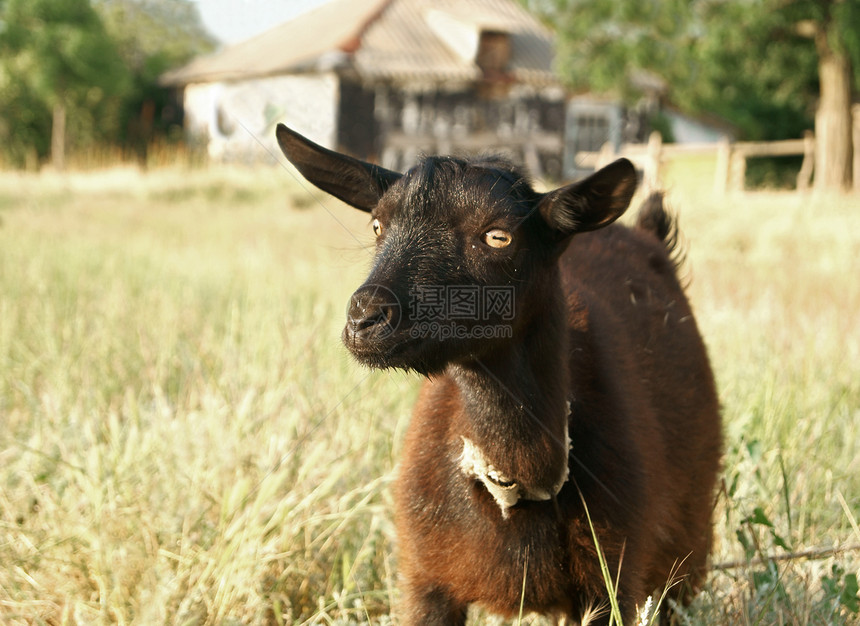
{"x":386,"y":80}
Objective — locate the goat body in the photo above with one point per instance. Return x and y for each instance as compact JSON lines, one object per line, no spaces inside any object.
{"x":598,"y":393}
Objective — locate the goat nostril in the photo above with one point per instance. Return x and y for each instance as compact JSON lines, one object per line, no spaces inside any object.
{"x":379,"y":321}
{"x":368,"y":321}
{"x":374,"y":313}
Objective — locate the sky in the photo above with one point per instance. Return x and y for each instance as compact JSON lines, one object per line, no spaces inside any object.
{"x":234,"y":20}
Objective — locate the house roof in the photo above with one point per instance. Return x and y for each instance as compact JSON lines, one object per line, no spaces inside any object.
{"x":399,"y":40}
{"x":326,"y":33}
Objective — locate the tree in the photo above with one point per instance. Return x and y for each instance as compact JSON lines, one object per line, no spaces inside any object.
{"x":832,"y":25}
{"x":58,"y":52}
{"x":155,"y":35}
{"x":152,"y":36}
{"x":752,"y":62}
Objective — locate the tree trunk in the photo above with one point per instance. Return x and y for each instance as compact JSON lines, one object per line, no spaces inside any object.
{"x":58,"y":136}
{"x":833,"y":141}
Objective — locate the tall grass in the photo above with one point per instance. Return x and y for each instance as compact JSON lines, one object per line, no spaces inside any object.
{"x":184,"y":440}
{"x":776,"y":290}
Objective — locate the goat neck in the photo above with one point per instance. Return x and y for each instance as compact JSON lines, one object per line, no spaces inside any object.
{"x":515,"y":405}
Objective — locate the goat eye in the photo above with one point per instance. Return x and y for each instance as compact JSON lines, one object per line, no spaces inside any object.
{"x":377,"y":228}
{"x":497,"y":238}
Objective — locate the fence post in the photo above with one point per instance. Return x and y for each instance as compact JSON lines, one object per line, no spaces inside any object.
{"x":724,"y":156}
{"x":855,"y":123}
{"x":804,"y":176}
{"x":738,"y":170}
{"x":606,"y":155}
{"x":651,"y":173}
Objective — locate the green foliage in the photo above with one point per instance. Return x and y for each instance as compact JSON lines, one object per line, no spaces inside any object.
{"x":57,"y":53}
{"x":842,"y":588}
{"x":742,"y":63}
{"x":772,"y":172}
{"x":101,"y":62}
{"x":152,"y":36}
{"x":602,"y":46}
{"x":663,"y":125}
{"x":846,"y":16}
{"x":748,"y":62}
{"x":25,"y":120}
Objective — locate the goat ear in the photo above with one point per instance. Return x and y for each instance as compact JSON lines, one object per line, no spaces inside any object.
{"x":592,"y":203}
{"x":357,"y":183}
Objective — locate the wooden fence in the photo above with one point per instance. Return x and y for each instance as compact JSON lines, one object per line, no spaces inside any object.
{"x":731,"y":158}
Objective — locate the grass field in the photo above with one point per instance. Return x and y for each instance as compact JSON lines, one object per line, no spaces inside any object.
{"x":183,"y":440}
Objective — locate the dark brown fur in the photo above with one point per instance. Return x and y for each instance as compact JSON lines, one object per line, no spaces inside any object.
{"x":601,"y":322}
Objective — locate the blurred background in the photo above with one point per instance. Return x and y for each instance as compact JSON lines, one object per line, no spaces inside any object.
{"x":95,"y":82}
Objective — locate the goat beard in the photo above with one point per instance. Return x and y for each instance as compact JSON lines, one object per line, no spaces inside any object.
{"x":425,"y":356}
{"x":420,"y":360}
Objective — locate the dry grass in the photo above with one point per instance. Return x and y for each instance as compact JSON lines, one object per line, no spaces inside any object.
{"x":777,"y":296}
{"x":185,"y":441}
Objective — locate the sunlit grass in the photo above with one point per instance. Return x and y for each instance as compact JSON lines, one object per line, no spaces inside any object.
{"x":184,"y":440}
{"x":774,"y":284}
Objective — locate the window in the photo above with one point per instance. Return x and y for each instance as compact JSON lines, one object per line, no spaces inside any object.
{"x":592,"y":131}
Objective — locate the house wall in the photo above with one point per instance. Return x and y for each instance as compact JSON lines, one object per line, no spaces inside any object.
{"x":688,"y":130}
{"x":236,"y":120}
{"x":526,"y":124}
{"x":357,"y":130}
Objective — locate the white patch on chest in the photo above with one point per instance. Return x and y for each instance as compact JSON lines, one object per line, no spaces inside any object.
{"x":506,"y":491}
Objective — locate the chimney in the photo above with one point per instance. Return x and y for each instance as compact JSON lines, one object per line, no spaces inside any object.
{"x":494,"y":53}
